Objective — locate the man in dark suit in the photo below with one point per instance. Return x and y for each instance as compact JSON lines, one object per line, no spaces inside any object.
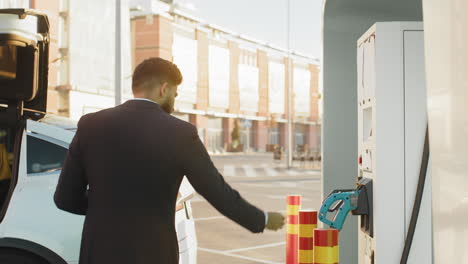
{"x":123,"y":170}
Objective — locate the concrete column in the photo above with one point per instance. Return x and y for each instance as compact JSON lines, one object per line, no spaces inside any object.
{"x":152,"y":38}
{"x":314,"y":93}
{"x":262,"y":62}
{"x":313,"y":135}
{"x":165,"y":37}
{"x":308,"y":136}
{"x":283,"y":134}
{"x":228,"y":126}
{"x":203,"y":78}
{"x":234,"y":100}
{"x":260,"y":135}
{"x":52,"y":9}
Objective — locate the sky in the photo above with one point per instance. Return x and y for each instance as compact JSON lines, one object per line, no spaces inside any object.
{"x":266,"y":20}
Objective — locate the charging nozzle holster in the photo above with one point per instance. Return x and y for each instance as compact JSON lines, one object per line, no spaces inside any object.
{"x":365,"y":206}
{"x":339,"y":203}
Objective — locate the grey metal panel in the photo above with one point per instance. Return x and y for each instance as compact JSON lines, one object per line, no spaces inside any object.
{"x":344,"y":21}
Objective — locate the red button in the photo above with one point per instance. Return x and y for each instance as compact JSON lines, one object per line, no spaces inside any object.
{"x":360,"y":160}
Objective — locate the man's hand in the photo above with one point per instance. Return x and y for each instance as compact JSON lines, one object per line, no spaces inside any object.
{"x":275,"y":221}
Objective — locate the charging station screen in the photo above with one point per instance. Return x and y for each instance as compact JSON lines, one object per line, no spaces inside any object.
{"x":8,"y":60}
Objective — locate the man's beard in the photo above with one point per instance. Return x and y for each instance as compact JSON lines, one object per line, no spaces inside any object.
{"x":167,"y":107}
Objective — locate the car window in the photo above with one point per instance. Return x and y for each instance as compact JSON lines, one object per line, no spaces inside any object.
{"x":44,"y":156}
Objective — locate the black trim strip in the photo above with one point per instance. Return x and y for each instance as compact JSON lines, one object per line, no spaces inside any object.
{"x":34,"y":248}
{"x":19,"y":130}
{"x":417,"y":200}
{"x":13,"y":39}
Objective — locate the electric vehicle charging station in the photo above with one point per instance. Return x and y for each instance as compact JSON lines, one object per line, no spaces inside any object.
{"x":445,"y":38}
{"x":392,"y":122}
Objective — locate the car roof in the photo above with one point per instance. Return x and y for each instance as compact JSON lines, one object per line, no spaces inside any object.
{"x":59,"y":121}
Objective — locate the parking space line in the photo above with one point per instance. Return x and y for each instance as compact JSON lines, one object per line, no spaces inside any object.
{"x":249,"y":171}
{"x":208,"y":218}
{"x":282,"y":197}
{"x":313,"y":172}
{"x":293,"y":172}
{"x":237,"y":256}
{"x":288,"y":184}
{"x":256,"y":247}
{"x":277,"y":180}
{"x":229,"y":171}
{"x":260,"y":185}
{"x":269,"y":170}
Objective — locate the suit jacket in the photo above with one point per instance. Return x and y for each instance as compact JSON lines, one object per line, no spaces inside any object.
{"x":123,"y":171}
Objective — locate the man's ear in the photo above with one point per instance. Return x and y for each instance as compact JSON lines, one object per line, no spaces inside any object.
{"x":164,"y":90}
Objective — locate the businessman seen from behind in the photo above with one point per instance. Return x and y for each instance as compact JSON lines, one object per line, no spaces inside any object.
{"x":123,"y":170}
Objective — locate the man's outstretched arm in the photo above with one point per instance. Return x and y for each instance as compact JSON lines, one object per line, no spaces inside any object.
{"x":208,"y":182}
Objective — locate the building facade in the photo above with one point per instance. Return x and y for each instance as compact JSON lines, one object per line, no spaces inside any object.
{"x":82,"y":53}
{"x":230,"y":80}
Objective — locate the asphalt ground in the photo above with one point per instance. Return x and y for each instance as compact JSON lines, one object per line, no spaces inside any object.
{"x":265,"y":184}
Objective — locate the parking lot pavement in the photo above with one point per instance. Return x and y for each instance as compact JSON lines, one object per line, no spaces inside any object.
{"x":266,"y":185}
{"x":261,"y":165}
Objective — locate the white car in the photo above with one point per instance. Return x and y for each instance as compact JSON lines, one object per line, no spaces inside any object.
{"x":32,"y":229}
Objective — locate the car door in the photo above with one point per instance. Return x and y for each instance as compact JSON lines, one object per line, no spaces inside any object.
{"x":32,"y":214}
{"x":185,"y":225}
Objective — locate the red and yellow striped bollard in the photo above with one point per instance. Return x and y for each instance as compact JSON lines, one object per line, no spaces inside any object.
{"x":292,"y":228}
{"x":307,"y":224}
{"x":326,"y":249}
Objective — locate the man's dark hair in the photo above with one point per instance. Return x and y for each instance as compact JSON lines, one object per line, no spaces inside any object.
{"x":154,"y":70}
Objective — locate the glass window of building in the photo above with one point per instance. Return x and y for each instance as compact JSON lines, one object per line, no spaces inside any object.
{"x":247,"y":134}
{"x":273,"y":135}
{"x":185,"y":52}
{"x":276,"y":85}
{"x":214,"y":134}
{"x":301,"y":87}
{"x":300,"y":131}
{"x":219,"y":66}
{"x":248,"y":81}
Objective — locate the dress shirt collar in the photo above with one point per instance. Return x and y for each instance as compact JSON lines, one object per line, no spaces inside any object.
{"x":144,"y":99}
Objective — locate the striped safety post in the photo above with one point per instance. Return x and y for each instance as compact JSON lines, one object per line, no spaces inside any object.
{"x":307,"y":224}
{"x":292,"y":228}
{"x":326,"y":249}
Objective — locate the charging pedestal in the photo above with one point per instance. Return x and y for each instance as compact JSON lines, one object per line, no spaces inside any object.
{"x":392,"y":123}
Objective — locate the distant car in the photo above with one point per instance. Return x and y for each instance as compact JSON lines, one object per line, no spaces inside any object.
{"x":32,"y":229}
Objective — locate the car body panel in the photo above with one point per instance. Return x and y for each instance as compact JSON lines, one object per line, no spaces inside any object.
{"x":33,"y":216}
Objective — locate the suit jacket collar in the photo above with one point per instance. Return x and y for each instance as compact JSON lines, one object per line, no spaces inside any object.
{"x":141,"y":104}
